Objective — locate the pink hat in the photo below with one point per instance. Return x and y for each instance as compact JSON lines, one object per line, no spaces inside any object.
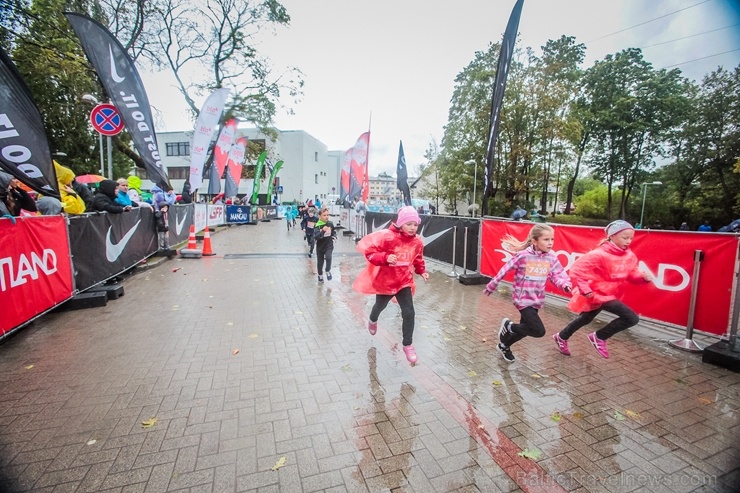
{"x":617,"y":226}
{"x":407,"y":215}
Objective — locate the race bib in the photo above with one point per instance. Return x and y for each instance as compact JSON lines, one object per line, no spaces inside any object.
{"x":536,"y":269}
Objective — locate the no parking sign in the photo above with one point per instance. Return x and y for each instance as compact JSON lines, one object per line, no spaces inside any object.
{"x":106,"y":120}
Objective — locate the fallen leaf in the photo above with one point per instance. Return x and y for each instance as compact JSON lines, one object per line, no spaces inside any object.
{"x":230,"y":323}
{"x":462,"y":327}
{"x":346,"y":368}
{"x":618,"y":416}
{"x":472,"y":373}
{"x":447,"y":338}
{"x":424,"y":327}
{"x":497,"y":382}
{"x":533,"y":454}
{"x":631,"y":414}
{"x":481,"y":427}
{"x":484,"y":340}
{"x":556,"y":417}
{"x":704,"y":400}
{"x":234,"y":351}
{"x":356,"y":408}
{"x":535,"y":375}
{"x":148,"y":423}
{"x":28,"y":367}
{"x":681,"y":381}
{"x":176,"y":269}
{"x":253,"y":336}
{"x":92,"y":442}
{"x":298,"y":313}
{"x":280,"y":463}
{"x":577,"y":415}
{"x":330,"y":302}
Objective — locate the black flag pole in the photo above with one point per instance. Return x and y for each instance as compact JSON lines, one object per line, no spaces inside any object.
{"x":499,"y":87}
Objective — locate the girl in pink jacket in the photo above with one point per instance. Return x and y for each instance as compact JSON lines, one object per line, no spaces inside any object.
{"x":533,"y":265}
{"x":599,"y":278}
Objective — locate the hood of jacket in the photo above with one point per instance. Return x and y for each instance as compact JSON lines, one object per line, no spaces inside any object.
{"x":155,"y":189}
{"x":64,"y":174}
{"x":108,"y":187}
{"x":134,"y":182}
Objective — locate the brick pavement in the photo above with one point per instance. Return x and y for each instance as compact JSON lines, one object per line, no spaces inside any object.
{"x":246,"y":362}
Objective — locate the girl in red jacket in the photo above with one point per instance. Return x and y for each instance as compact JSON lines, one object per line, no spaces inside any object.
{"x":393,"y":255}
{"x":599,"y":279}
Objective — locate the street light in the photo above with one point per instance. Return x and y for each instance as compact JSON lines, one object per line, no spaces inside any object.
{"x":89,"y":98}
{"x":644,"y":192}
{"x":475,"y":178}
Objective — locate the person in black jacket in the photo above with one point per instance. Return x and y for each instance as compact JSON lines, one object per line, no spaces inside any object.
{"x":84,"y":193}
{"x":13,"y":198}
{"x":325,"y":235}
{"x":105,"y":199}
{"x":162,"y":225}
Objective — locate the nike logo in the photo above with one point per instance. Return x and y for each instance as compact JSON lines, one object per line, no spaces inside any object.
{"x":113,"y":72}
{"x":382,"y":226}
{"x":114,"y":250}
{"x":428,"y":239}
{"x":180,"y":224}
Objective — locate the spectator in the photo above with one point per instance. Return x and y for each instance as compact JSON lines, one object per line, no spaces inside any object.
{"x":13,"y":199}
{"x":705,"y":227}
{"x":134,"y":191}
{"x":105,"y":199}
{"x":72,"y":202}
{"x":122,"y":197}
{"x":162,"y":226}
{"x":85,"y":194}
{"x":733,"y":227}
{"x":517,"y":215}
{"x":186,"y":197}
{"x":49,"y":206}
{"x":170,"y":196}
{"x":683,"y":227}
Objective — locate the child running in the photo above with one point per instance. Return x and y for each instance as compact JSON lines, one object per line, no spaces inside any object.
{"x":325,"y":236}
{"x":393,"y":255}
{"x":533,"y":265}
{"x":599,"y":278}
{"x":307,"y":225}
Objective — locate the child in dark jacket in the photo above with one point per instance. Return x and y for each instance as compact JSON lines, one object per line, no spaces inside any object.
{"x":162,"y":226}
{"x":308,"y":224}
{"x":325,"y":236}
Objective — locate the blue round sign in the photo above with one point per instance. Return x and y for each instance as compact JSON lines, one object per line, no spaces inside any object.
{"x":106,"y":119}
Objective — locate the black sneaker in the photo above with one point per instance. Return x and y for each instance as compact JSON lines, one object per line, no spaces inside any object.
{"x":310,"y":255}
{"x":321,"y":279}
{"x":506,"y":353}
{"x":328,"y":276}
{"x":505,"y":330}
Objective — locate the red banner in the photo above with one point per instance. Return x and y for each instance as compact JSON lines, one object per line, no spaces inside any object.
{"x":668,"y":255}
{"x":35,"y":268}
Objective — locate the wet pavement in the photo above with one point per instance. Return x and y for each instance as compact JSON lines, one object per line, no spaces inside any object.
{"x":240,"y":372}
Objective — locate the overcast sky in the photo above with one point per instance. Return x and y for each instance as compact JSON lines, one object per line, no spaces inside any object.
{"x":397,"y":59}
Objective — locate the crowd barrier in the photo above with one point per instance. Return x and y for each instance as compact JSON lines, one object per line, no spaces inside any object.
{"x":45,"y":260}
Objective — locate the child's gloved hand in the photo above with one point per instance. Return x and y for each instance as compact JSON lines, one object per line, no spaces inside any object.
{"x":487,"y":291}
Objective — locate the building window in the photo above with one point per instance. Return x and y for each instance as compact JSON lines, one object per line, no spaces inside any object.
{"x":316,"y":156}
{"x":178,"y":172}
{"x":316,"y":179}
{"x":178,"y":148}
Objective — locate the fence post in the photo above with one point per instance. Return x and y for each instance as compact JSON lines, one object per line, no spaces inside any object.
{"x":687,"y":343}
{"x":454,"y":273}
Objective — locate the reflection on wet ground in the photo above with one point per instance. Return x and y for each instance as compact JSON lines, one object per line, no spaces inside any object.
{"x":261,"y":379}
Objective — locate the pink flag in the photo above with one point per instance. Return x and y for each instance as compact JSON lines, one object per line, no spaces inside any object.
{"x":358,"y":166}
{"x":223,"y":146}
{"x":235,"y":160}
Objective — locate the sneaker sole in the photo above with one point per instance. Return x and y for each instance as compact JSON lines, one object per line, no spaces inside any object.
{"x":555,"y":338}
{"x":593,"y":343}
{"x":504,"y":356}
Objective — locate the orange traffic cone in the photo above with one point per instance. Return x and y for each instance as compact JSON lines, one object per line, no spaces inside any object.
{"x":207,"y":250}
{"x":192,"y":245}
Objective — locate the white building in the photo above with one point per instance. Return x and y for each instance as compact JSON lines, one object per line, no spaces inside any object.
{"x":309,"y":170}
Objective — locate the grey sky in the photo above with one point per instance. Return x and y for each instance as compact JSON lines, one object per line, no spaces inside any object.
{"x":398,"y":59}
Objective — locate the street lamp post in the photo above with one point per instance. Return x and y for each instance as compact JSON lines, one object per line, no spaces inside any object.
{"x":475,"y":179}
{"x":644,"y":193}
{"x":93,"y":100}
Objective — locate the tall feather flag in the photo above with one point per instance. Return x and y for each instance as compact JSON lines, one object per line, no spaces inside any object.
{"x":234,"y":166}
{"x":258,"y":176}
{"x":273,"y":175}
{"x":122,"y":83}
{"x":402,"y":176}
{"x":221,"y":155}
{"x":499,"y":87}
{"x":344,"y":174}
{"x":204,"y":129}
{"x":358,"y":166}
{"x":24,"y":150}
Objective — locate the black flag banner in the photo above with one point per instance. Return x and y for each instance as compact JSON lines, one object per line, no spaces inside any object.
{"x":499,"y":87}
{"x":24,"y":150}
{"x":402,"y":176}
{"x":121,"y":81}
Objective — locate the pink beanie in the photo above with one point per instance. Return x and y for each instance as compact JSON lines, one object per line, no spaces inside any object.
{"x":617,"y":226}
{"x":407,"y":215}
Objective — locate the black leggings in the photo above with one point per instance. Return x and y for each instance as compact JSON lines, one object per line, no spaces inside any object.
{"x":529,"y":325}
{"x":406,"y":302}
{"x":324,"y":250}
{"x":627,"y":318}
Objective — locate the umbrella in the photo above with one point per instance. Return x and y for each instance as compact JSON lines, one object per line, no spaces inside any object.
{"x":90,"y":178}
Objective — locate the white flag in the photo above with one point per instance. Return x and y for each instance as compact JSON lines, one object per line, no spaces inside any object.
{"x":204,"y":129}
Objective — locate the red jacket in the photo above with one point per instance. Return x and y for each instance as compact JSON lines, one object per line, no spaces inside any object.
{"x":603,"y":272}
{"x":379,"y":277}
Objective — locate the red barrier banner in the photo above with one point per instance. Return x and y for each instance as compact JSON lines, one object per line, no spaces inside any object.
{"x":35,"y":268}
{"x":668,"y":255}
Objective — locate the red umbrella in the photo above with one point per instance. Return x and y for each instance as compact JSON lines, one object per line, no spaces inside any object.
{"x":90,"y":178}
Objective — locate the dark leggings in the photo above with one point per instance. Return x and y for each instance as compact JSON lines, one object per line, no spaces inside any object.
{"x":323,"y":252}
{"x":311,"y":241}
{"x":406,"y":302}
{"x":529,"y":325}
{"x":627,"y":318}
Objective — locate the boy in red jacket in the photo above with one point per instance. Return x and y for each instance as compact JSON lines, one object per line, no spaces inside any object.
{"x":393,"y":255}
